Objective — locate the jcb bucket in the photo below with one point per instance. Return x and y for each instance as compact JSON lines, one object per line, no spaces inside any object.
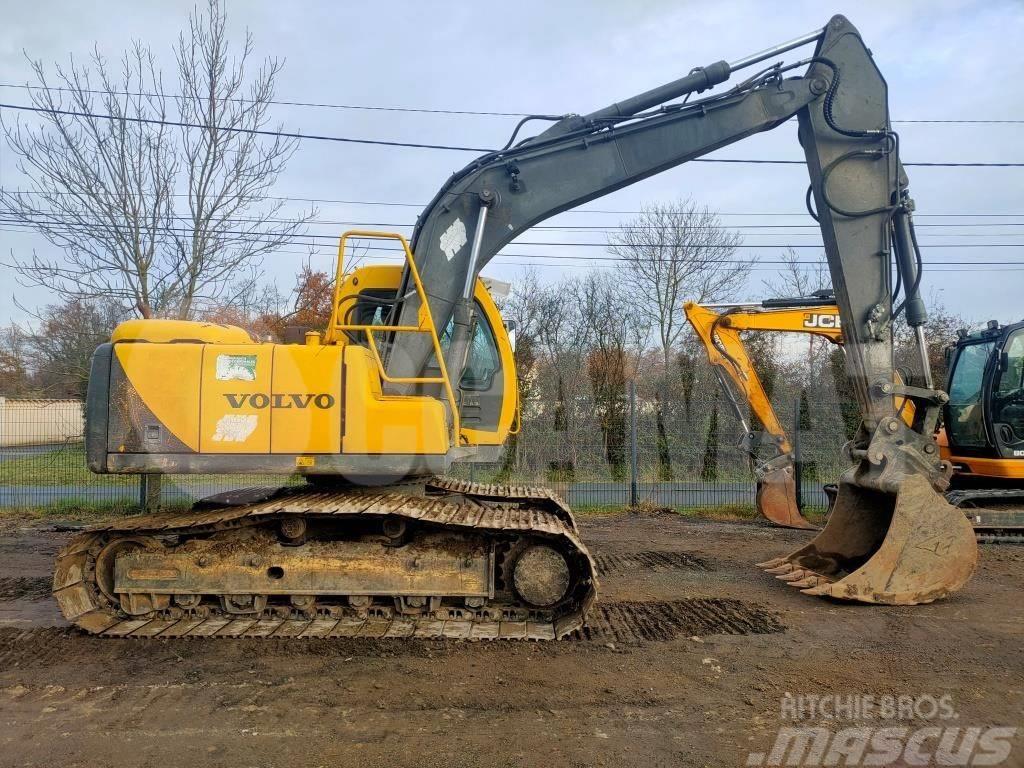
{"x":905,"y":549}
{"x":776,"y":499}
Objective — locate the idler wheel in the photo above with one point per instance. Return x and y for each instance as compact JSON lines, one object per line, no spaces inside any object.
{"x":541,"y":576}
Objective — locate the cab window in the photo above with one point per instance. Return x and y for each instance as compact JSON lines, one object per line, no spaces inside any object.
{"x":482,"y":361}
{"x":966,"y":410}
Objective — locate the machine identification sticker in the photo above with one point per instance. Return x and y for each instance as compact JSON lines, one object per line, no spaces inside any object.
{"x":236,"y":367}
{"x":453,"y":239}
{"x":235,"y":428}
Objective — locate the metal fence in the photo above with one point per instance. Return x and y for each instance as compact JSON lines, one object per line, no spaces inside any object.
{"x":679,"y":465}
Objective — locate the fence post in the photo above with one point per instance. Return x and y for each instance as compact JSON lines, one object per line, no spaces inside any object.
{"x":798,"y":459}
{"x":633,"y":487}
{"x":149,"y":492}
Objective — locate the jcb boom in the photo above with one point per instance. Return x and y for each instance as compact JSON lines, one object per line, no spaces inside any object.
{"x":719,"y":332}
{"x":429,"y":557}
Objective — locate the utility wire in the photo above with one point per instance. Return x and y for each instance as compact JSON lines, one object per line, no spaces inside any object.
{"x":54,"y":215}
{"x":425,"y":110}
{"x":244,"y":237}
{"x":387,"y":203}
{"x":416,"y":145}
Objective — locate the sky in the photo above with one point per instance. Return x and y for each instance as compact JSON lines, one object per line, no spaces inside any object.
{"x":950,"y":60}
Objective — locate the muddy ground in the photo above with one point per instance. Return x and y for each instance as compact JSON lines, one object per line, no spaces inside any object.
{"x":685,"y":664}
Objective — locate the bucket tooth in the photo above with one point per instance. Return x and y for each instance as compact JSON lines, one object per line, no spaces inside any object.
{"x":820,"y":590}
{"x":795,"y":575}
{"x":906,"y":548}
{"x":804,"y":584}
{"x":776,"y":499}
{"x":775,"y":561}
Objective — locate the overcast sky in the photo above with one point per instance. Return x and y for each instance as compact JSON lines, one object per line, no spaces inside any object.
{"x":942,"y":60}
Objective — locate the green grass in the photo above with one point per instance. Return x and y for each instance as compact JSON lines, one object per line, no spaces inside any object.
{"x":78,"y":511}
{"x":63,"y":466}
{"x":66,"y":466}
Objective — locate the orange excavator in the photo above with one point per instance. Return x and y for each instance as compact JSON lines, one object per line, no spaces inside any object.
{"x":983,"y":436}
{"x":718,"y":326}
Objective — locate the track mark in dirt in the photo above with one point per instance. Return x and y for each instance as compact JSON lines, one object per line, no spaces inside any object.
{"x":42,"y":645}
{"x":24,"y":588}
{"x":634,"y":621}
{"x":607,"y":564}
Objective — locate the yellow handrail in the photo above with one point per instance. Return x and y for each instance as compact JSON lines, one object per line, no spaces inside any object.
{"x":426,"y":324}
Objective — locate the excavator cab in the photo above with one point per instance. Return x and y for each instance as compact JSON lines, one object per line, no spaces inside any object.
{"x":984,"y":417}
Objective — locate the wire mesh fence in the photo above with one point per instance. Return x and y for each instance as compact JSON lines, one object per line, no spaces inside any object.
{"x":681,"y":455}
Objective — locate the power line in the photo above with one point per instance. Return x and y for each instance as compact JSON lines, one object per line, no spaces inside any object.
{"x":424,"y":110}
{"x":243,"y":237}
{"x":579,"y":228}
{"x":247,"y":131}
{"x":416,"y":145}
{"x":395,"y":204}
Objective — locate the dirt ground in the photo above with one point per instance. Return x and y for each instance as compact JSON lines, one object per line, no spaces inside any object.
{"x":685,"y":663}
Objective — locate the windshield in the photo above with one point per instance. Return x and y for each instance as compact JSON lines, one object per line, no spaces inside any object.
{"x":966,"y":425}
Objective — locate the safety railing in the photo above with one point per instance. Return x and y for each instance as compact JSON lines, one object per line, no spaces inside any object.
{"x":426,"y":324}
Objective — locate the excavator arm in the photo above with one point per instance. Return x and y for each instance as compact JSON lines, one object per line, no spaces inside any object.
{"x":719,"y":333}
{"x":891,"y":537}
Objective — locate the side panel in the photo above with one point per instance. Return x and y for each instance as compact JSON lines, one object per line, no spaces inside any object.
{"x":236,"y":398}
{"x":380,"y":424}
{"x":306,"y":404}
{"x":154,"y":398}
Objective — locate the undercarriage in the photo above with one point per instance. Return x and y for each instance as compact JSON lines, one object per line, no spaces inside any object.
{"x":443,"y":559}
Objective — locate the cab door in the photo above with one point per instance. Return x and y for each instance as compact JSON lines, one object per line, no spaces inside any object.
{"x":1007,"y":396}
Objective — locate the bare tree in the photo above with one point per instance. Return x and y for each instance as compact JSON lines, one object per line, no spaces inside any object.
{"x":58,"y":343}
{"x":613,"y":329}
{"x":15,"y":377}
{"x":672,"y":253}
{"x":162,"y":217}
{"x":799,"y":278}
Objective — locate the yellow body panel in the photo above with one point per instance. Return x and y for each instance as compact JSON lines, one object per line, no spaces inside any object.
{"x":377,"y":423}
{"x":165,"y":331}
{"x":166,"y":377}
{"x":235,"y":398}
{"x":306,"y":404}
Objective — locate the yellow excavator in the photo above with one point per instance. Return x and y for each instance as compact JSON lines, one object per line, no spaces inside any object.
{"x":414,"y":372}
{"x":986,"y":417}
